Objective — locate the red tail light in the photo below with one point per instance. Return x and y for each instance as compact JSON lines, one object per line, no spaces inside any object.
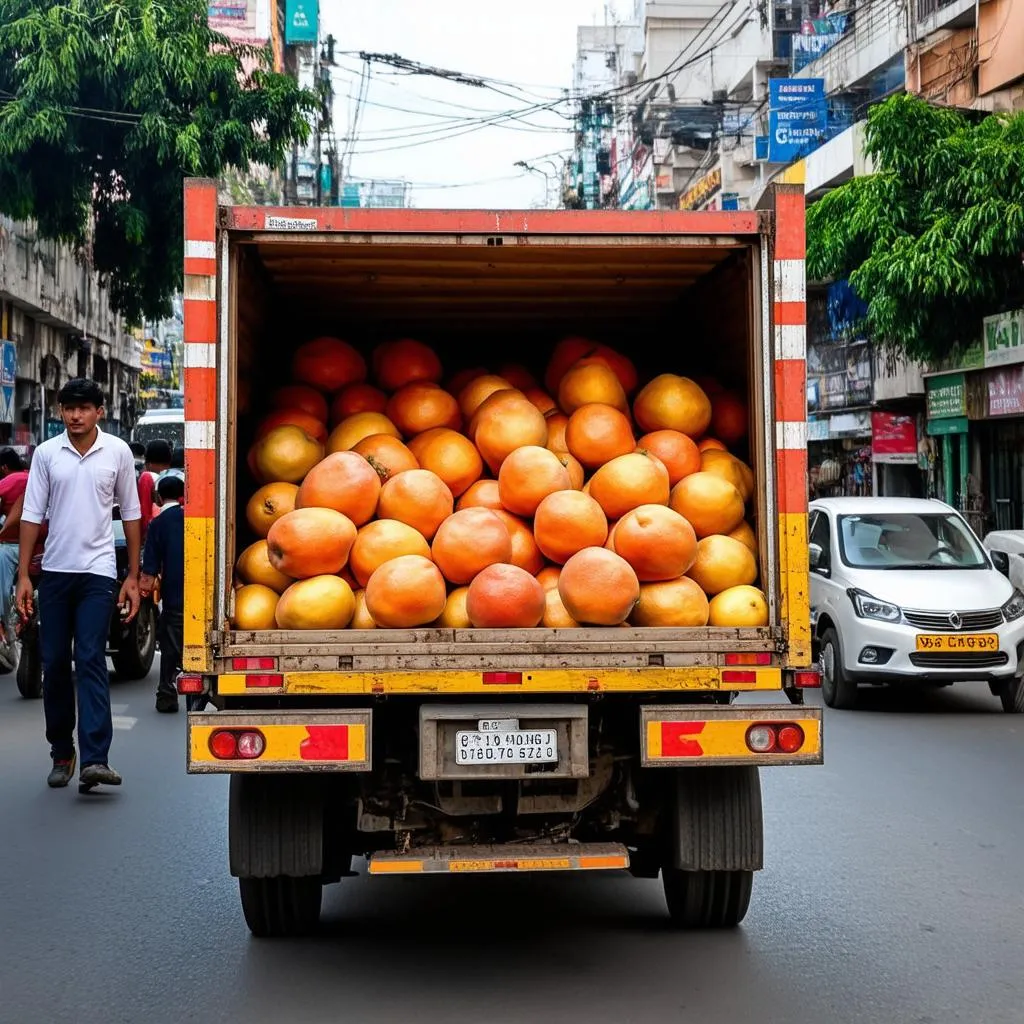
{"x":191,"y":684}
{"x":237,"y":744}
{"x":775,"y":738}
{"x":755,"y":658}
{"x":807,"y":679}
{"x":249,"y":664}
{"x":260,"y":681}
{"x":790,"y":738}
{"x":503,"y":678}
{"x":223,"y":744}
{"x":738,"y":676}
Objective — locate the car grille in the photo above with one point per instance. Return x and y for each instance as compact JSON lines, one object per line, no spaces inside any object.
{"x":958,"y":659}
{"x":939,"y":621}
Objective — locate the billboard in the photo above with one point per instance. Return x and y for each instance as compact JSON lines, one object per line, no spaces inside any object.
{"x":301,"y":22}
{"x":242,"y":21}
{"x":797,"y":117}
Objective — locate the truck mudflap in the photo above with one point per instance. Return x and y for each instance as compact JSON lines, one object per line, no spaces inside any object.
{"x":681,"y":736}
{"x":228,"y":741}
{"x":505,"y":857}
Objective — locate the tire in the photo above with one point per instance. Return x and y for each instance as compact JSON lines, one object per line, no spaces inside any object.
{"x":30,"y":664}
{"x":837,"y":690}
{"x":134,"y":658}
{"x":281,"y":907}
{"x":707,"y":899}
{"x":1011,"y":696}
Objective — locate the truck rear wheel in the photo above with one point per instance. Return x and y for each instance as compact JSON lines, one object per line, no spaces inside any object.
{"x":282,"y":906}
{"x":707,"y":899}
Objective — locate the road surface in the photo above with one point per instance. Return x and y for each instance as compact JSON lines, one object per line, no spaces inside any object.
{"x":892,"y":895}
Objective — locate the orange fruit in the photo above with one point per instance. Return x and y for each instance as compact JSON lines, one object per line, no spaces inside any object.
{"x":396,"y":363}
{"x":286,"y":454}
{"x":253,"y":566}
{"x":454,"y":615}
{"x":628,"y":482}
{"x":421,"y":406}
{"x":406,"y":592}
{"x":658,"y":543}
{"x":345,"y":482}
{"x":418,"y":498}
{"x":453,"y":458}
{"x":709,"y":385}
{"x":574,"y":468}
{"x":468,"y":541}
{"x":541,"y":399}
{"x":386,"y":455}
{"x":743,"y":606}
{"x":478,"y":390}
{"x":598,"y":587}
{"x":515,"y":424}
{"x":596,"y":434}
{"x":268,"y":504}
{"x":529,"y":475}
{"x":463,"y":377}
{"x":420,"y":441}
{"x":568,"y":351}
{"x":310,"y":542}
{"x":504,"y":597}
{"x":491,"y":404}
{"x":361,"y":617}
{"x":721,"y":563}
{"x":729,"y":417}
{"x":707,"y":444}
{"x":321,"y":602}
{"x":588,"y":382}
{"x":548,"y":577}
{"x":557,"y":422}
{"x":671,"y":402}
{"x":555,"y":616}
{"x":745,"y":534}
{"x":619,"y":364}
{"x":728,"y":467}
{"x":301,"y":397}
{"x":255,"y":606}
{"x":679,"y":453}
{"x":525,"y":552}
{"x":360,"y":397}
{"x":328,"y":364}
{"x":679,"y":603}
{"x":518,"y":376}
{"x":346,"y":574}
{"x":482,"y":494}
{"x":567,"y":522}
{"x":711,"y":504}
{"x":293,"y":417}
{"x":353,"y":429}
{"x":380,"y":541}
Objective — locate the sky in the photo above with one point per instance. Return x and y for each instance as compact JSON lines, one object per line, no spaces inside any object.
{"x":531,"y":43}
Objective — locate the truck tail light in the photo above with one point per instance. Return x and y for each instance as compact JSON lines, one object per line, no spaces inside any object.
{"x":503,"y":678}
{"x":252,"y":664}
{"x":807,"y":679}
{"x":237,"y":744}
{"x":188,"y":683}
{"x":748,"y":658}
{"x":738,"y":676}
{"x":223,"y":744}
{"x":775,"y":737}
{"x":264,"y":681}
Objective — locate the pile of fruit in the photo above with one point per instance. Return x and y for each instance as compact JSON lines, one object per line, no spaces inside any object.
{"x":496,"y":501}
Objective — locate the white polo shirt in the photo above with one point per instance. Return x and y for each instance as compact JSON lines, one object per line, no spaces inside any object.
{"x":76,"y":493}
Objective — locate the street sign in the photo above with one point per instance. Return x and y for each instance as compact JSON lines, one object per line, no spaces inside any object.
{"x":797,"y":117}
{"x":301,"y":21}
{"x":7,"y":403}
{"x":1004,"y":338}
{"x":9,"y":364}
{"x":945,"y":396}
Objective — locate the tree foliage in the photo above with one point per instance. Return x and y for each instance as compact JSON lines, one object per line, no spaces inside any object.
{"x":933,"y":240}
{"x":107,"y":105}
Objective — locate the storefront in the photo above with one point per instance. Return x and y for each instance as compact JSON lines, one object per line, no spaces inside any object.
{"x":898,"y":457}
{"x":839,"y":455}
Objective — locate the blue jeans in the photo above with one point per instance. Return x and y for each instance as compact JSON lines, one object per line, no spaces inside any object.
{"x":8,"y":574}
{"x":76,"y":606}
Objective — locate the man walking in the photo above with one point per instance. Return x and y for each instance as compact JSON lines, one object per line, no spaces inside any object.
{"x":74,"y":481}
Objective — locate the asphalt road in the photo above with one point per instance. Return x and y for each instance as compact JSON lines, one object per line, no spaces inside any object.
{"x":892,"y":895}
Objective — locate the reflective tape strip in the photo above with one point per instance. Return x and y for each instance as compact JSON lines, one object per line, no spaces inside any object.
{"x":790,"y":341}
{"x":200,"y":386}
{"x":790,"y":217}
{"x":200,"y":288}
{"x":791,"y":473}
{"x":795,"y":603}
{"x":200,"y":482}
{"x":200,"y":322}
{"x":307,"y":744}
{"x":790,"y":283}
{"x":690,"y":741}
{"x":791,"y":435}
{"x":790,"y":390}
{"x":200,"y":355}
{"x":200,"y":250}
{"x":200,"y":434}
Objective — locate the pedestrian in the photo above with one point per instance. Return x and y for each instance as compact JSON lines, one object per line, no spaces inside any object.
{"x":74,"y":482}
{"x":139,"y":454}
{"x":158,"y":460}
{"x":164,"y":557}
{"x":13,"y":478}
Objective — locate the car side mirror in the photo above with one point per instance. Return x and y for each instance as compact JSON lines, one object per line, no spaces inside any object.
{"x":816,"y":559}
{"x":1001,"y":560}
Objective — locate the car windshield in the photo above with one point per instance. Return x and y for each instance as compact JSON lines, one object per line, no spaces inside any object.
{"x":909,"y":540}
{"x":168,"y":430}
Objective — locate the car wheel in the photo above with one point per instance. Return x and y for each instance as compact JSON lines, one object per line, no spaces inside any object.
{"x":134,"y":658}
{"x":837,"y":690}
{"x":1011,"y":695}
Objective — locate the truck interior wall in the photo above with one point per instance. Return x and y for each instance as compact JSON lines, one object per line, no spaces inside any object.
{"x":707,"y":327}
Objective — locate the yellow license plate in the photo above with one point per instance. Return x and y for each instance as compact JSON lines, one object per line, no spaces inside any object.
{"x":967,"y":642}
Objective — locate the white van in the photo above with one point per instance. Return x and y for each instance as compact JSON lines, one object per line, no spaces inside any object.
{"x":156,"y":423}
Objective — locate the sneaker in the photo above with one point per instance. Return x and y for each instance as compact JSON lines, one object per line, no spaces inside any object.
{"x":97,"y":775}
{"x":166,"y":704}
{"x":61,"y":773}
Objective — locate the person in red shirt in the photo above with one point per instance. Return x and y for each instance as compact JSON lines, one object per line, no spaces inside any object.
{"x":13,"y":479}
{"x":158,"y":459}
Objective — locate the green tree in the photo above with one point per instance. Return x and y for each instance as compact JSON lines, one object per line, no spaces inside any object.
{"x":933,"y":240}
{"x":107,"y":105}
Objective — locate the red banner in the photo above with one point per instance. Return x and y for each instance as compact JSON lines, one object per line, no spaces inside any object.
{"x":893,"y":437}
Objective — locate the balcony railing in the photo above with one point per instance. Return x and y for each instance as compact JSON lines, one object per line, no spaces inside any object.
{"x":926,"y":8}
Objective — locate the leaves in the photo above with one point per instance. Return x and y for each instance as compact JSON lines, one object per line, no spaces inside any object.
{"x":105,"y":107}
{"x":932,"y":241}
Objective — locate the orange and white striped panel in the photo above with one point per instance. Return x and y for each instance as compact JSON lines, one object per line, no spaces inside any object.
{"x":789,"y":340}
{"x":200,"y":386}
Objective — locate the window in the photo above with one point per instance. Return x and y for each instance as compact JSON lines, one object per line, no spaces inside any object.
{"x":821,"y":535}
{"x":908,"y":540}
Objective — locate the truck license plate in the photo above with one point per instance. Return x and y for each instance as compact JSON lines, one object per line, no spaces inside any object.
{"x":958,"y":642}
{"x":519,"y":746}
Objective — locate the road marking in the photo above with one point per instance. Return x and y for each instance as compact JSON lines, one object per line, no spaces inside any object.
{"x":123,"y":721}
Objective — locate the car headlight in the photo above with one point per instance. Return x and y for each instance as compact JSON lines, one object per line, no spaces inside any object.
{"x":868,"y":607}
{"x":1014,"y":608}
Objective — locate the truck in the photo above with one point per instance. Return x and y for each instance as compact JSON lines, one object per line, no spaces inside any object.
{"x":343,"y":747}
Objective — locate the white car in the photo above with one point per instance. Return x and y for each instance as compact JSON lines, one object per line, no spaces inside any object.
{"x":903,"y":591}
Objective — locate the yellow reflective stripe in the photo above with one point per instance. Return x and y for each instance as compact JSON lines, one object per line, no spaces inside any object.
{"x":654,"y":739}
{"x":794,"y":583}
{"x":199,"y":563}
{"x":395,"y":867}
